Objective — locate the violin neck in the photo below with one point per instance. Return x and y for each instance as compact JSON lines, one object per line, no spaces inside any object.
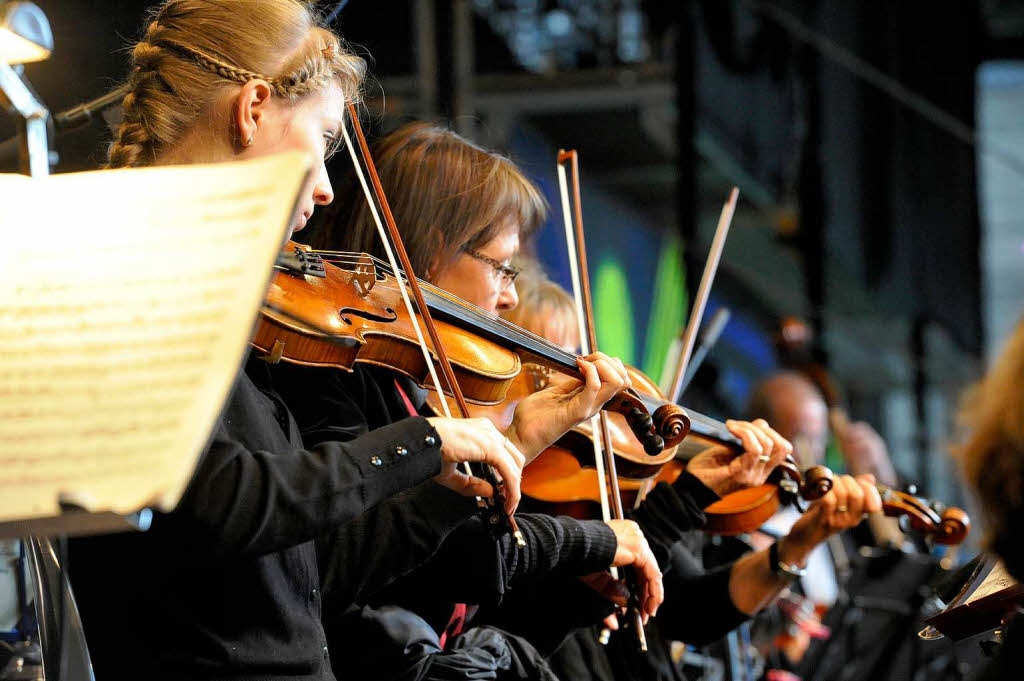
{"x":536,"y":350}
{"x":713,"y":430}
{"x":530,"y":347}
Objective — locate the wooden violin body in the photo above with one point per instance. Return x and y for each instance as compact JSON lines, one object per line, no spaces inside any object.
{"x":357,"y":315}
{"x":565,"y":474}
{"x":320,"y":314}
{"x":746,"y":510}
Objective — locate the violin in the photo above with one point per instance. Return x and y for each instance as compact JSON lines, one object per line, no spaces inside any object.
{"x":746,"y":510}
{"x":337,"y":309}
{"x":564,"y":476}
{"x":946,"y":525}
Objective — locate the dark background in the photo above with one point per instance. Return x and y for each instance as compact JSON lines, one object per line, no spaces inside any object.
{"x":857,"y":213}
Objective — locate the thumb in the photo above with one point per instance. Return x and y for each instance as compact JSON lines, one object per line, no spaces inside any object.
{"x":466,"y":485}
{"x":475,"y":487}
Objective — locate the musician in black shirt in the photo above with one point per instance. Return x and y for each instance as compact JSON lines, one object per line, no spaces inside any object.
{"x":701,"y":605}
{"x":227,"y":585}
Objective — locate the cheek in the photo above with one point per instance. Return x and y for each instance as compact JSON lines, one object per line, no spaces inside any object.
{"x":466,"y":282}
{"x":305,"y":135}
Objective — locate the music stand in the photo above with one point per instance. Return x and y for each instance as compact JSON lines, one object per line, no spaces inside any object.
{"x":25,"y":36}
{"x":987,"y":600}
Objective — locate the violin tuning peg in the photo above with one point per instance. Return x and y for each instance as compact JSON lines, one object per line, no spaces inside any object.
{"x":654,"y":444}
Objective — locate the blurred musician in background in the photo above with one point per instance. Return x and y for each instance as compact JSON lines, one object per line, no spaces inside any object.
{"x":798,"y":407}
{"x":993,"y":459}
{"x":700,"y":605}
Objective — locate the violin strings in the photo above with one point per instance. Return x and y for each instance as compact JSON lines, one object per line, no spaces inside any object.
{"x":713,"y":426}
{"x":352,"y":258}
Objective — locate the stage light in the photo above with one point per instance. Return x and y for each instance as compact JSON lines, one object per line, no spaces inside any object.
{"x":25,"y":34}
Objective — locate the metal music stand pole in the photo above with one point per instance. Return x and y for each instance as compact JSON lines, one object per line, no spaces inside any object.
{"x":33,"y":120}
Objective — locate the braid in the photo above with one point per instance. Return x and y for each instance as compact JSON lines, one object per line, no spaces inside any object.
{"x":134,"y":144}
{"x":314,"y":72}
{"x":221,"y":68}
{"x":190,"y":47}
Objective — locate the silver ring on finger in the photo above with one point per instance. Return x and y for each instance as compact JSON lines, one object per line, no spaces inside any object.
{"x":841,"y":509}
{"x":764,"y":458}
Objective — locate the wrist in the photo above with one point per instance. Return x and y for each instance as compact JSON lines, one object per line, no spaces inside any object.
{"x":793,"y":552}
{"x":525,"y":447}
{"x":782,"y":568}
{"x":716,"y":482}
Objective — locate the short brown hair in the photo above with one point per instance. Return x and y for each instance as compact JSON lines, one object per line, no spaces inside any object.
{"x":447,"y":195}
{"x":192,"y":48}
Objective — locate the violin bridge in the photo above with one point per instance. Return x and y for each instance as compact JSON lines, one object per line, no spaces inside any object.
{"x":364,"y":276}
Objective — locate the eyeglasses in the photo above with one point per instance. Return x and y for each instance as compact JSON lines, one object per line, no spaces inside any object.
{"x":506,"y":274}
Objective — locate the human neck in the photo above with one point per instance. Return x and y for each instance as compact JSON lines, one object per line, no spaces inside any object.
{"x":199,"y":145}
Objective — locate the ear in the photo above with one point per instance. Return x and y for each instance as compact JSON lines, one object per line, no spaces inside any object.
{"x":438,"y":261}
{"x":250,"y":108}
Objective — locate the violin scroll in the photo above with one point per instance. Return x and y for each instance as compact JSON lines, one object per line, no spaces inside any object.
{"x":946,"y":525}
{"x":666,"y":428}
{"x":671,"y":422}
{"x":811,"y":485}
{"x":817,"y":482}
{"x":954,"y":526}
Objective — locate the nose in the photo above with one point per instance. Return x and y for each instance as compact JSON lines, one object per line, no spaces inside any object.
{"x":508,"y":299}
{"x":323,"y":192}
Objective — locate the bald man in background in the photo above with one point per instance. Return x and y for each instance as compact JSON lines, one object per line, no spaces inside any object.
{"x":798,"y":411}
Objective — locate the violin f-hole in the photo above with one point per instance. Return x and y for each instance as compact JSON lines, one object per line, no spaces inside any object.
{"x":387,"y":318}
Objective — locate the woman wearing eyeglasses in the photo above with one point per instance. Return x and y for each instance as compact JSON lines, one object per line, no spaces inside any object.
{"x":463,"y":213}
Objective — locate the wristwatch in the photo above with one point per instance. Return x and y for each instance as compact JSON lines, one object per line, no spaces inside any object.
{"x":783,"y":570}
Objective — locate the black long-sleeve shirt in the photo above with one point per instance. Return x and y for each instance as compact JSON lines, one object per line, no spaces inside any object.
{"x":697,"y":607}
{"x":227,"y":585}
{"x":349,"y":404}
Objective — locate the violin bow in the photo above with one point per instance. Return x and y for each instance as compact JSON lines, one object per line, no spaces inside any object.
{"x":700,"y":302}
{"x":393,"y":244}
{"x":604,"y":455}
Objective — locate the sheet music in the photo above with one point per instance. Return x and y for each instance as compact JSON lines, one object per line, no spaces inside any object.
{"x":997,"y":580}
{"x":127,"y":299}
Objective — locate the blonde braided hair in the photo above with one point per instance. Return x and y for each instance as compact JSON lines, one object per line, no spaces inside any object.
{"x":192,"y":48}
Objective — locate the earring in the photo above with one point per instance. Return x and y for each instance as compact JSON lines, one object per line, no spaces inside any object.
{"x":248,"y":142}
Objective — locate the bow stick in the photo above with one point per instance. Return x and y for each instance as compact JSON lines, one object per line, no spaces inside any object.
{"x":604,"y":456}
{"x":395,"y":245}
{"x":710,"y":267}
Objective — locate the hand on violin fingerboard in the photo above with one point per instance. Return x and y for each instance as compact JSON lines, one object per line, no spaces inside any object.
{"x":842,"y":508}
{"x":545,"y":416}
{"x":722,"y":471}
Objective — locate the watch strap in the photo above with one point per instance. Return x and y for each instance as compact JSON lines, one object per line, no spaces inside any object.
{"x":783,"y":570}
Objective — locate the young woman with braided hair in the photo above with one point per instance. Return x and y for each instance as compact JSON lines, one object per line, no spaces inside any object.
{"x":227,"y":585}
